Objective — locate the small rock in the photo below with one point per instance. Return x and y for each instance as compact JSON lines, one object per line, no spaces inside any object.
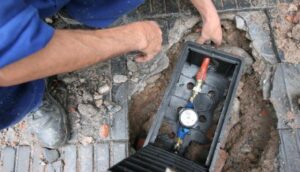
{"x":292,"y":8}
{"x":67,"y":80}
{"x":112,"y":107}
{"x":81,"y":80}
{"x":87,"y":109}
{"x":235,"y":113}
{"x":266,"y":81}
{"x":97,"y":96}
{"x":51,"y":155}
{"x":134,"y":79}
{"x":104,"y":89}
{"x":240,"y":23}
{"x":87,"y":97}
{"x":131,"y":66}
{"x":98,"y":103}
{"x":296,"y":32}
{"x":86,"y":140}
{"x":240,"y":89}
{"x":104,"y":131}
{"x":289,"y":18}
{"x":246,"y":148}
{"x":119,"y":79}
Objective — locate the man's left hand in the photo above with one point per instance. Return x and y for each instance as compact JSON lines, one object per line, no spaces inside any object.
{"x":211,"y":31}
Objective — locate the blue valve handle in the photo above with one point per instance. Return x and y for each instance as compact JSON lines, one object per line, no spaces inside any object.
{"x":189,"y":105}
{"x":182,"y":132}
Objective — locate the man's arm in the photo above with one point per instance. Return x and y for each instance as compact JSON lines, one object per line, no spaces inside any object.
{"x":211,"y":29}
{"x":69,"y":50}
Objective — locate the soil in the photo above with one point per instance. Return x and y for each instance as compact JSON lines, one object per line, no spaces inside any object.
{"x":253,"y":141}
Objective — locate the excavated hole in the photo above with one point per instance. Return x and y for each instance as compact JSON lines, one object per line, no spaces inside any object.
{"x":253,"y":140}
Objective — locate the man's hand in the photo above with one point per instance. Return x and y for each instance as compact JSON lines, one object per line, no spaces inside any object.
{"x":152,"y":40}
{"x":70,"y":50}
{"x":211,"y":30}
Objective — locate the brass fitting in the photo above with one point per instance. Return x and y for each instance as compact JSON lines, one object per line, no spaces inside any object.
{"x":197,"y":89}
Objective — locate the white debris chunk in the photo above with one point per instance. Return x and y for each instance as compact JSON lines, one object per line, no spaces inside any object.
{"x":120,"y":78}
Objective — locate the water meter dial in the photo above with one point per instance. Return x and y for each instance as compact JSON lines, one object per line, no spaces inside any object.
{"x":188,"y":118}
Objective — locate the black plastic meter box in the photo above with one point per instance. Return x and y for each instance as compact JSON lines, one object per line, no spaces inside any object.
{"x":208,"y":116}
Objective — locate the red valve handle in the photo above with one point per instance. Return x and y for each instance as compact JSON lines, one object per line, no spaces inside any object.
{"x":201,"y":74}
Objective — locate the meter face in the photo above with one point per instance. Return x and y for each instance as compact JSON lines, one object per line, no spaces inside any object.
{"x":188,"y":117}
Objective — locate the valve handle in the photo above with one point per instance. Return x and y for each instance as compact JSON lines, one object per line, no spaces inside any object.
{"x":201,"y":74}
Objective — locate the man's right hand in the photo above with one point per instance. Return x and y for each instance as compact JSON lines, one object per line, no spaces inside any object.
{"x":151,"y":40}
{"x":69,"y":50}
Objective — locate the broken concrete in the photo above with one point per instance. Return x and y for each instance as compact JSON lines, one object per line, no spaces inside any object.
{"x":256,"y":26}
{"x":285,"y":94}
{"x":284,"y":21}
{"x":119,"y":79}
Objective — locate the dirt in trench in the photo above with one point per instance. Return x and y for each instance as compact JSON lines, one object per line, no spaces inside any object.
{"x":144,"y":105}
{"x":253,"y":141}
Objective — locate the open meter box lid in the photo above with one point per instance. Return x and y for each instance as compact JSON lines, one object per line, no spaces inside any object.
{"x":207,"y":118}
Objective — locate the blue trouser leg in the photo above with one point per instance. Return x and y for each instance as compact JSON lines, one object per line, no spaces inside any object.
{"x":17,"y":101}
{"x":30,"y":35}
